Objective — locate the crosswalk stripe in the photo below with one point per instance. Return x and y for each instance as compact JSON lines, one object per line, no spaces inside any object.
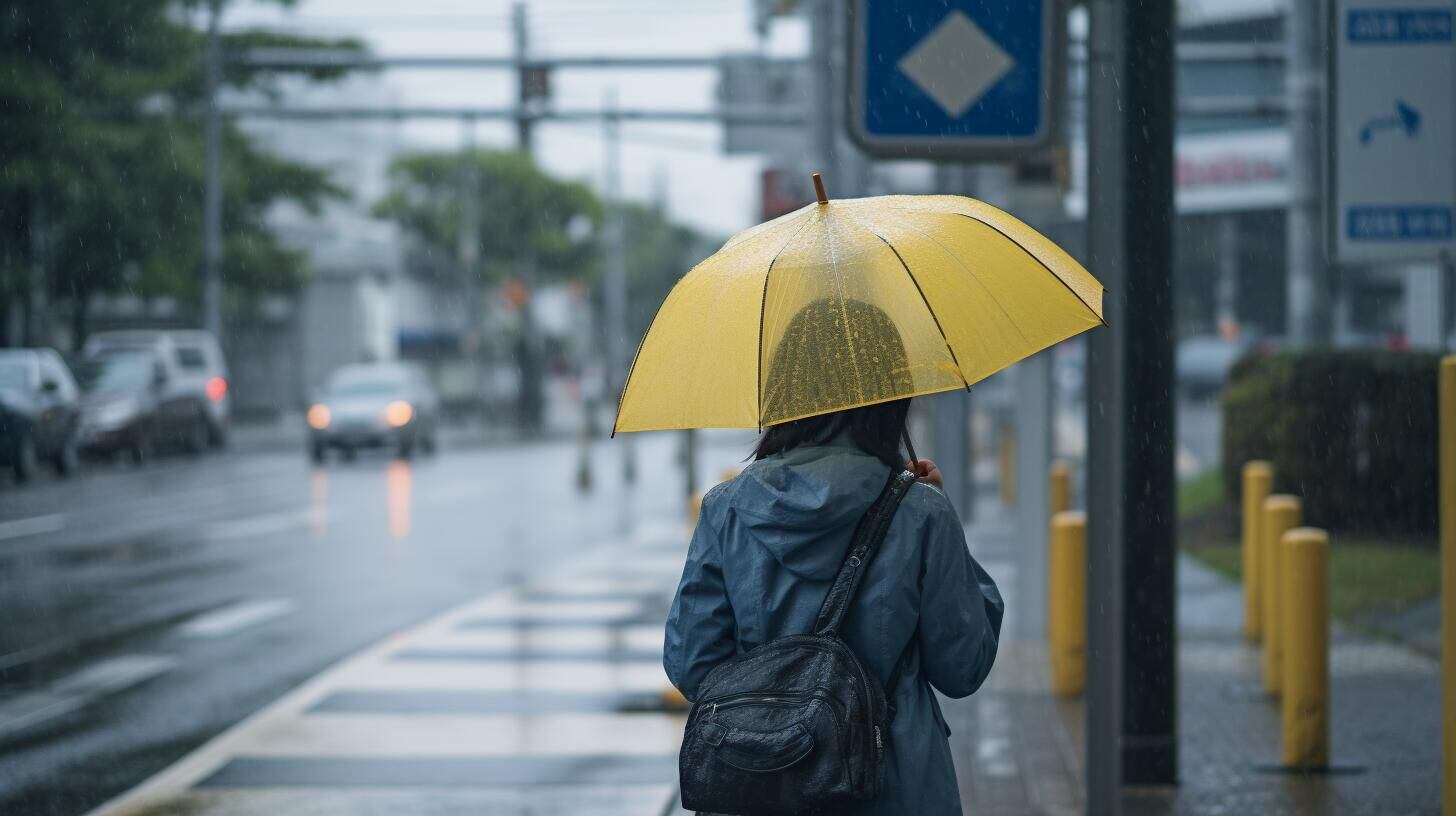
{"x":359,"y":800}
{"x":515,"y":609}
{"x":478,"y":702}
{"x":474,"y":772}
{"x":545,"y":675}
{"x":644,"y":637}
{"x":329,"y":734}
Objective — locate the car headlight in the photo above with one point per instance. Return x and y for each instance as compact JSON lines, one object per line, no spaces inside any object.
{"x":319,"y":417}
{"x":398,"y":413}
{"x":112,"y":414}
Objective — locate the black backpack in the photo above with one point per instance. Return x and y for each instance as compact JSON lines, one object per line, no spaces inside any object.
{"x":796,"y":724}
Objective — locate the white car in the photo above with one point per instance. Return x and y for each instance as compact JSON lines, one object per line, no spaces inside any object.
{"x":374,"y":405}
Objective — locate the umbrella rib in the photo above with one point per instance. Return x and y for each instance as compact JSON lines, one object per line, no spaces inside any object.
{"x":971,"y":273}
{"x":1043,"y":264}
{"x":1029,"y":253}
{"x":844,"y":313}
{"x":923,"y":299}
{"x":763,"y":309}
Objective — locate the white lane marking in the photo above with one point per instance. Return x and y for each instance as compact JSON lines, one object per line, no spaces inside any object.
{"x":255,"y":526}
{"x":460,"y":735}
{"x":235,"y":617}
{"x":80,"y":689}
{"x":34,"y":525}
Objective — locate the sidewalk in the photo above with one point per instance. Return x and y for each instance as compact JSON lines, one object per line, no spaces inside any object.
{"x":1019,"y":750}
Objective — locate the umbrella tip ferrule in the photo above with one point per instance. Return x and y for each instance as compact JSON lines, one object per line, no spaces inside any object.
{"x":819,"y":188}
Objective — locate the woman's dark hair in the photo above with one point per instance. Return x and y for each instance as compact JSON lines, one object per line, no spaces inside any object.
{"x":874,"y":429}
{"x":837,"y":351}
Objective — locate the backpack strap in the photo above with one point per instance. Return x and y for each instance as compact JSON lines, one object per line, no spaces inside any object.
{"x":868,"y":535}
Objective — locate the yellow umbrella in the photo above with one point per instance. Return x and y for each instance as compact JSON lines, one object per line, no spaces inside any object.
{"x":852,"y":302}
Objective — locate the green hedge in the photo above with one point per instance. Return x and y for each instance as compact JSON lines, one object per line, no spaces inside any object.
{"x":1351,"y":432}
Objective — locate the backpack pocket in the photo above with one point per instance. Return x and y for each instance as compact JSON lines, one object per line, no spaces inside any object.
{"x":765,"y":753}
{"x":759,"y":751}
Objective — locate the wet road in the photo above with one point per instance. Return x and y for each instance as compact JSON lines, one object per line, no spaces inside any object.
{"x":146,"y":610}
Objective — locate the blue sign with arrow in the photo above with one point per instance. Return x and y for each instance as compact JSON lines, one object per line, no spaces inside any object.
{"x":952,"y":78}
{"x":1406,"y":118}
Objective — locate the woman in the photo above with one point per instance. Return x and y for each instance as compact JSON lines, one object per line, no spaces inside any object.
{"x":769,"y":542}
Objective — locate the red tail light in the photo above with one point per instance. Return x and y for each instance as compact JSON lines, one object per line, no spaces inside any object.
{"x":216,"y":388}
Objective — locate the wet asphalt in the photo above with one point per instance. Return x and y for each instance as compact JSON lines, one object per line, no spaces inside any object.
{"x":144,"y":610}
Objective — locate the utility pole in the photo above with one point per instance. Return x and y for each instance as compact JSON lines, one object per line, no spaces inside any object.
{"x":1132,"y":674}
{"x":823,"y":125}
{"x":212,"y":195}
{"x":1309,"y":318}
{"x":615,"y":290}
{"x":524,"y":123}
{"x":469,"y":249}
{"x":528,"y":349}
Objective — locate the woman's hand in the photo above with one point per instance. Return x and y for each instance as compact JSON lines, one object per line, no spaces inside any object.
{"x":926,"y":471}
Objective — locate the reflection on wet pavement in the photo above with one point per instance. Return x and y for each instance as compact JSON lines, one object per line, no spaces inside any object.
{"x":398,"y":499}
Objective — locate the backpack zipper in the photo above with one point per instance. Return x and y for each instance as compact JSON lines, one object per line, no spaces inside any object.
{"x":749,"y":698}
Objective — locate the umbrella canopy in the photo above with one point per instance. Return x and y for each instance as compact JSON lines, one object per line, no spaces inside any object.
{"x":852,"y":302}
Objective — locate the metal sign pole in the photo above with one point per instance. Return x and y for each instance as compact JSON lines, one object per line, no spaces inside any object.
{"x":1132,"y":636}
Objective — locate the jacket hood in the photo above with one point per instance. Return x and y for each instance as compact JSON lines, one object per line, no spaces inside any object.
{"x":802,"y":505}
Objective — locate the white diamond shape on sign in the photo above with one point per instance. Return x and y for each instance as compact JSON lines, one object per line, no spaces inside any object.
{"x":956,"y":63}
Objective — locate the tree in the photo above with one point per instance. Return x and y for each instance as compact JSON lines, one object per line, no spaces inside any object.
{"x":659,"y":252}
{"x":520,"y":211}
{"x":103,"y":154}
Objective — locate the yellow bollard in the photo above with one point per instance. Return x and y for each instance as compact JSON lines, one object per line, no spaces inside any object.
{"x":673,"y":700}
{"x":1067,"y":599}
{"x":1258,"y":481}
{"x":1281,"y":514}
{"x":1008,"y":466}
{"x":1061,"y":487}
{"x":1306,"y":704}
{"x":1448,"y":582}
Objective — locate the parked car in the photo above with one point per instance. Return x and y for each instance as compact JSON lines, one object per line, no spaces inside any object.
{"x":132,"y":405}
{"x":195,"y":367}
{"x":1204,"y":362}
{"x":39,"y":412}
{"x":374,"y":405}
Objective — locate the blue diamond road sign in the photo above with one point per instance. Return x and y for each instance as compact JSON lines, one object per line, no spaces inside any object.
{"x":953,"y":78}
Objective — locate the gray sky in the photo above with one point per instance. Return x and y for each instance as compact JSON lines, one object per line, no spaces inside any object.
{"x":680,"y":162}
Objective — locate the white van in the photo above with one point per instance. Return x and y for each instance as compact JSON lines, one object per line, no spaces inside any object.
{"x":194,"y":363}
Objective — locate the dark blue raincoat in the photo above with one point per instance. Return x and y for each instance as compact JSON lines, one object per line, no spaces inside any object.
{"x":762,"y":558}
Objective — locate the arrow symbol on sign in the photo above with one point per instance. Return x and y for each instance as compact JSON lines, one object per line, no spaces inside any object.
{"x":956,"y":63}
{"x":1406,"y":118}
